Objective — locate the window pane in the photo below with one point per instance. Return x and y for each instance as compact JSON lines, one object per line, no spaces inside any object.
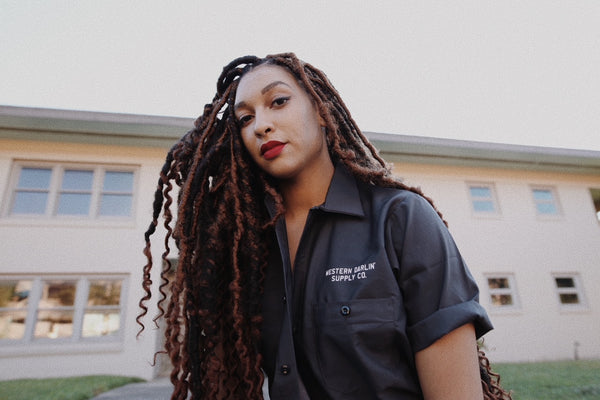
{"x":100,"y":323}
{"x":115,"y":205}
{"x":480,"y":191}
{"x":544,"y":195}
{"x":30,"y":203}
{"x":483,"y":206}
{"x":569,"y":298}
{"x":58,"y":294}
{"x":104,"y":293}
{"x":14,"y":294}
{"x":74,"y":204}
{"x":35,"y":178}
{"x":565,"y":282}
{"x":118,"y":182}
{"x":12,"y":324}
{"x":77,"y":180}
{"x":502,"y":299}
{"x":54,"y":324}
{"x":546,"y":208}
{"x":498,"y":283}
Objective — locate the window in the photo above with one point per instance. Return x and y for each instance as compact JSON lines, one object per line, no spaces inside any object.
{"x":545,"y":201}
{"x":66,"y":190}
{"x":483,"y":198}
{"x":14,"y":301}
{"x":595,"y":193}
{"x":62,"y":309}
{"x":502,"y":291}
{"x":569,"y":290}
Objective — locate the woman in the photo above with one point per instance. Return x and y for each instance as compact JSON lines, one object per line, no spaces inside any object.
{"x":301,"y":256}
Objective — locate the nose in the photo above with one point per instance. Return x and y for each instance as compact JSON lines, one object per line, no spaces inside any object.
{"x":263,"y":124}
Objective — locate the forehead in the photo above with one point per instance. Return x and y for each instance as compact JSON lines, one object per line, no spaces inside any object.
{"x":256,"y":80}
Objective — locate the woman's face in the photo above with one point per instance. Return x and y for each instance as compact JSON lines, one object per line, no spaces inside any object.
{"x":279,"y":123}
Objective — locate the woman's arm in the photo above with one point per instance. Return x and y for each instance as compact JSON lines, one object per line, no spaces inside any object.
{"x":449,"y":368}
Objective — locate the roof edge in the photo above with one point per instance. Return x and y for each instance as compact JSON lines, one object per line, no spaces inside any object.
{"x":46,"y":124}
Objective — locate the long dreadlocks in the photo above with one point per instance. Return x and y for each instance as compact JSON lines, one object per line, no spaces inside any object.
{"x":213,"y":313}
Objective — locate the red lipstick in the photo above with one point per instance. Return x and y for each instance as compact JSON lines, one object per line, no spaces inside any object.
{"x":271,"y":149}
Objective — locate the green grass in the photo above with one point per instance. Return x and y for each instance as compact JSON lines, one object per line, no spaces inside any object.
{"x":77,"y":388}
{"x":563,"y":380}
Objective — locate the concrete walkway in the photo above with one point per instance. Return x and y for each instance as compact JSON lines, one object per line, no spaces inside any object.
{"x":158,"y":389}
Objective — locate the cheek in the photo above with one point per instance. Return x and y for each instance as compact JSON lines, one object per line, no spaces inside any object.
{"x":249,"y":141}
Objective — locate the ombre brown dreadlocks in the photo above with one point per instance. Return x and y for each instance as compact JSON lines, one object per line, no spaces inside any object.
{"x":213,"y":310}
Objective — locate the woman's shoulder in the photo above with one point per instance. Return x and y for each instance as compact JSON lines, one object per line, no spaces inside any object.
{"x":402,"y":204}
{"x":381,"y":195}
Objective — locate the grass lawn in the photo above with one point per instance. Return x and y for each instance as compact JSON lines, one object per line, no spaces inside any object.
{"x":564,"y":380}
{"x":77,"y":388}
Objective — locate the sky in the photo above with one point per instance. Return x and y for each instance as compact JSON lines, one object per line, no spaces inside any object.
{"x":517,"y":72}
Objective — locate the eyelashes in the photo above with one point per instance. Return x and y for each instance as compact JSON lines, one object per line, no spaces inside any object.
{"x":278,"y":102}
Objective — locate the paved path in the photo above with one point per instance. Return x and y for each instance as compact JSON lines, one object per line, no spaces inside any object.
{"x":158,"y":389}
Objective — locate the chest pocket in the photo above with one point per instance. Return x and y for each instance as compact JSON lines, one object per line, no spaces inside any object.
{"x":354,"y":339}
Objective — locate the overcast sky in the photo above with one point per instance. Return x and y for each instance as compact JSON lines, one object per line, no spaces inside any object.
{"x":522,"y":72}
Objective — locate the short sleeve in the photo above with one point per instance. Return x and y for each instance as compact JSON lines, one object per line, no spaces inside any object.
{"x":439,"y":293}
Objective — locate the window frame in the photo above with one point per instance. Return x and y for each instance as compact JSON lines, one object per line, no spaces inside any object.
{"x":595,"y":197}
{"x":512,"y":290}
{"x":493,"y":199}
{"x":576,"y":289}
{"x":555,"y":202}
{"x":80,"y":307}
{"x":54,"y":190}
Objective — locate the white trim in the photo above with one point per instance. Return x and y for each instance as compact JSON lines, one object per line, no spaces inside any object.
{"x":493,"y":198}
{"x":511,"y":291}
{"x":54,"y":191}
{"x":555,"y":202}
{"x":576,"y":289}
{"x":78,"y":308}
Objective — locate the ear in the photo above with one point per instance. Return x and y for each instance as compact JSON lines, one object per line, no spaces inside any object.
{"x":321,"y":119}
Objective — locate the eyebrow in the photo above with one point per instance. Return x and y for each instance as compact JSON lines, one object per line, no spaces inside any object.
{"x":263,"y":91}
{"x":272,"y":85}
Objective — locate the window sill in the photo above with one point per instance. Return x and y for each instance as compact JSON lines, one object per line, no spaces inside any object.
{"x":128,"y":222}
{"x":512,"y":311}
{"x":46,"y":349}
{"x":486,"y":215}
{"x":581,"y":309}
{"x":549,"y":217}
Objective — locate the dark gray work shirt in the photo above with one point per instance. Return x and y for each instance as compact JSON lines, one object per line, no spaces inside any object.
{"x":377,"y":277}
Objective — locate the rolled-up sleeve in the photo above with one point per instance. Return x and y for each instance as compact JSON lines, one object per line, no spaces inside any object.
{"x":439,"y":293}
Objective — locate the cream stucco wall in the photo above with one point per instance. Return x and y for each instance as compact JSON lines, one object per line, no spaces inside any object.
{"x":38,"y":246}
{"x":531,"y":248}
{"x":516,"y":241}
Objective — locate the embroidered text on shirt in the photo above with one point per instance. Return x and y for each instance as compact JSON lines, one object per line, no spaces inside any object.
{"x":348,"y":274}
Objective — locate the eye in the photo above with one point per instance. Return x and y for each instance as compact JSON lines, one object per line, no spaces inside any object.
{"x":244,"y":119}
{"x":280,"y":101}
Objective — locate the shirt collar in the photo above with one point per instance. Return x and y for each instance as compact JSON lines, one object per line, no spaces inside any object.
{"x":343,"y":195}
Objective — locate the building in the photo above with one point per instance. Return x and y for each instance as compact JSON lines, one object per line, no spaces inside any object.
{"x":76,"y":193}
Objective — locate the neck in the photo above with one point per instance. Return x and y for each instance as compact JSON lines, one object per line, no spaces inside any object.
{"x":307,"y":191}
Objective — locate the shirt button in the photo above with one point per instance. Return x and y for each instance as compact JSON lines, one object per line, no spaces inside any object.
{"x":345,"y":311}
{"x":285,"y":369}
{"x":284,"y":299}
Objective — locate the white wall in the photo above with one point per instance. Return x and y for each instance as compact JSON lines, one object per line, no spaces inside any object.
{"x":514,"y":242}
{"x":33,"y":246}
{"x":530,"y":247}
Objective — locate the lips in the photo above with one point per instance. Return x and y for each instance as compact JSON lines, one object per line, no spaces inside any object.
{"x":271,"y":149}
